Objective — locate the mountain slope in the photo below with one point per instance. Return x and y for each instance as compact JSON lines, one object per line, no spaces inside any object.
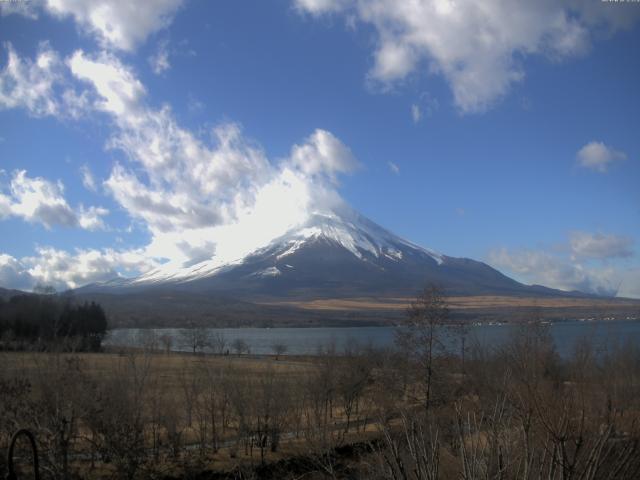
{"x":331,"y":255}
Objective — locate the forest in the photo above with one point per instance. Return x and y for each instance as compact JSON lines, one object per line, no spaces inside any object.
{"x":46,"y":322}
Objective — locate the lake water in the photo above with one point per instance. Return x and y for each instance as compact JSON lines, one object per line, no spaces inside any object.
{"x":307,"y":340}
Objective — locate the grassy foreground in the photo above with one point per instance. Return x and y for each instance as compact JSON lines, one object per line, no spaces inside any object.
{"x":518,"y":412}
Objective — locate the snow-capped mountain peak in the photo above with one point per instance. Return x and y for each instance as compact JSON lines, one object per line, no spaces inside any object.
{"x":328,"y":254}
{"x":346,"y":229}
{"x":355,"y":233}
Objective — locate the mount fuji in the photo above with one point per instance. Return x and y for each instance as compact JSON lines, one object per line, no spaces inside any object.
{"x":333,"y":254}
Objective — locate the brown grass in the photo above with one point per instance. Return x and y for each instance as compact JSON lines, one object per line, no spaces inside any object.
{"x":172,"y":367}
{"x":461,"y":303}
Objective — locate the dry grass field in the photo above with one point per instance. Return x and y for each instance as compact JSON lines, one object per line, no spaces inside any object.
{"x":172,"y":368}
{"x":176,"y":398}
{"x":366,"y":414}
{"x":462,"y":303}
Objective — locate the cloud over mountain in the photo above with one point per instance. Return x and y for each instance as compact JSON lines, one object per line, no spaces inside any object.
{"x":195,"y":195}
{"x":585,"y":263}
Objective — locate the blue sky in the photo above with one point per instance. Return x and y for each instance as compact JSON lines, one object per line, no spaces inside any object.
{"x":501,"y":132}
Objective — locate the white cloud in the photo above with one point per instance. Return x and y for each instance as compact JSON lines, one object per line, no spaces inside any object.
{"x":187,"y":183}
{"x":598,"y":157}
{"x":424,"y":107}
{"x":159,"y":61}
{"x":544,"y":268}
{"x":13,"y":274}
{"x":323,"y":154}
{"x":117,"y":87}
{"x":24,"y":8}
{"x":40,"y":86}
{"x":319,"y":7}
{"x":476,"y":46}
{"x":63,"y":270}
{"x":30,"y":84}
{"x":88,"y":180}
{"x":197,"y":196}
{"x":600,"y":246}
{"x":416,"y":113}
{"x":39,"y":200}
{"x":91,"y":218}
{"x":118,"y":24}
{"x":395,"y":169}
{"x":586,"y":263}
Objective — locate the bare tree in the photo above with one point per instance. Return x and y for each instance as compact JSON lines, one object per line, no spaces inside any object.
{"x":117,"y":418}
{"x":195,"y":338}
{"x":352,"y":375}
{"x":167,"y":342}
{"x":60,"y":388}
{"x":279,"y":349}
{"x":420,"y":334}
{"x":410,"y":450}
{"x":148,"y":339}
{"x":240,"y":346}
{"x":218,"y":343}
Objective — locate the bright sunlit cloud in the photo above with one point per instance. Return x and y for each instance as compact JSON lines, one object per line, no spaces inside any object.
{"x":475,"y":46}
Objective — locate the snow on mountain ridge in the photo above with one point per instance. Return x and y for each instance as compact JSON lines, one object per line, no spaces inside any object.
{"x":357,"y":234}
{"x":348,"y":229}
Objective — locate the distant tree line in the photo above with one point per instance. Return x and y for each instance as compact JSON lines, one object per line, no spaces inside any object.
{"x":28,"y":321}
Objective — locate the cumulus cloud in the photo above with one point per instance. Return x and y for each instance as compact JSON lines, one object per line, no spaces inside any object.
{"x":63,"y":270}
{"x":39,"y":200}
{"x":91,"y":218}
{"x":30,"y":84}
{"x":117,"y":87}
{"x":185,"y":182}
{"x":116,"y":24}
{"x":586,"y":263}
{"x":39,"y":86}
{"x":13,"y":274}
{"x":476,"y":46}
{"x":598,"y":157}
{"x":323,"y":154}
{"x":544,"y":268}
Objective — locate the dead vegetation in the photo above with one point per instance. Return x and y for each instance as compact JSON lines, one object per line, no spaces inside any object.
{"x":413,"y":413}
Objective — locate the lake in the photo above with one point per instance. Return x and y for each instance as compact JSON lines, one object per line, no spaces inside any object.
{"x":305,"y":341}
